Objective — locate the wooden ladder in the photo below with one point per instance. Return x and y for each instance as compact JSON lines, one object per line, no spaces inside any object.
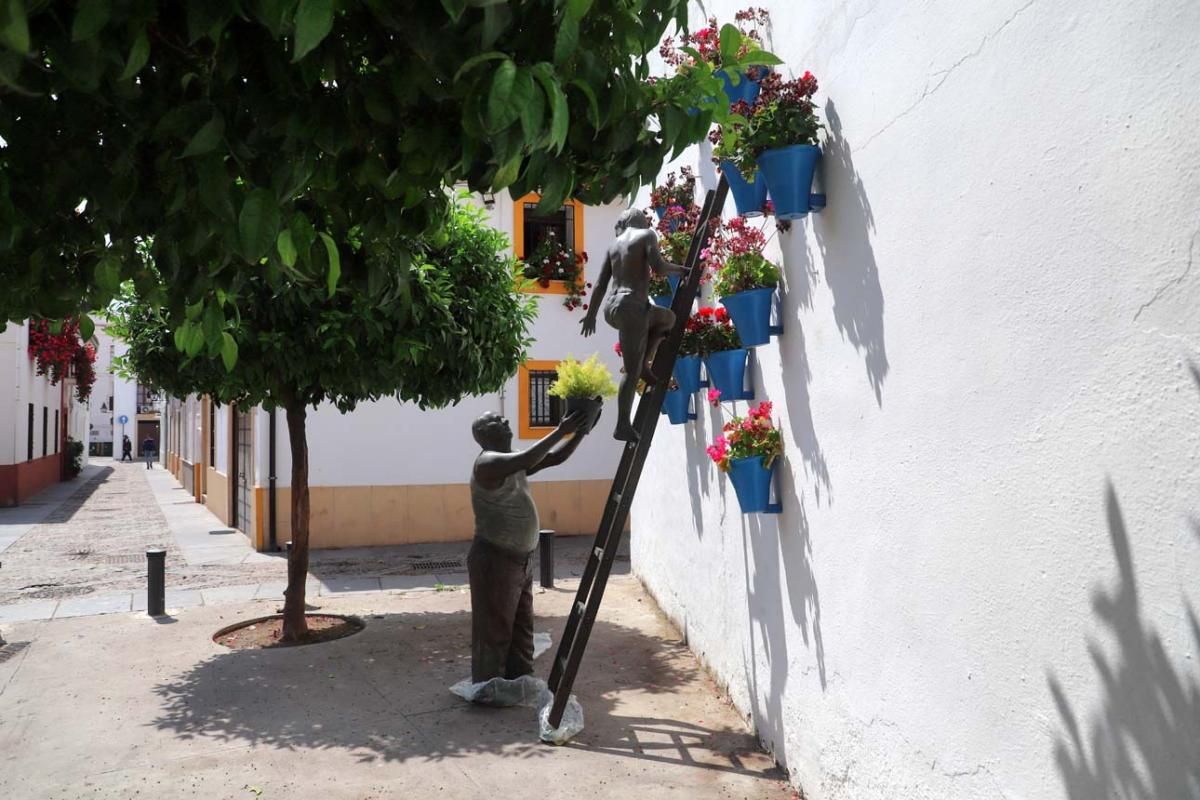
{"x":629,"y":471}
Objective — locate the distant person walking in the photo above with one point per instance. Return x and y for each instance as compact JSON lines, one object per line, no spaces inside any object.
{"x":148,"y":452}
{"x":126,"y":449}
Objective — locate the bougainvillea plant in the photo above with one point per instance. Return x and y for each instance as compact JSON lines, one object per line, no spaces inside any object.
{"x":745,"y":437}
{"x":782,"y":115}
{"x":675,"y":191}
{"x":714,"y":44}
{"x":709,"y":330}
{"x":57,"y":349}
{"x":84,"y":363}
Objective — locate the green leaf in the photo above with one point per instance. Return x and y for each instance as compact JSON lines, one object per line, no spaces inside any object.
{"x":14,"y":27}
{"x":566,"y":41}
{"x":494,"y":55}
{"x":258,"y":224}
{"x":314,"y":21}
{"x":533,"y":109}
{"x":593,"y":106}
{"x":286,"y":248}
{"x":181,"y":336}
{"x":108,"y":274}
{"x":335,"y":263}
{"x":507,"y":173}
{"x":86,"y":327}
{"x":229,"y":351}
{"x":207,"y":138}
{"x":558,"y":105}
{"x":213,"y":324}
{"x":455,"y":8}
{"x":731,"y":41}
{"x":139,"y":54}
{"x":90,"y":19}
{"x":501,"y":112}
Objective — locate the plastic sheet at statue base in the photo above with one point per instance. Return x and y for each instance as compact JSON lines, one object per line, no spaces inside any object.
{"x":526,"y":691}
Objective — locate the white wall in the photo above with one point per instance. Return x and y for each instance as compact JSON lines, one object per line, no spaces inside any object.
{"x":125,"y":402}
{"x":22,"y":386}
{"x":101,"y":418}
{"x":983,"y":582}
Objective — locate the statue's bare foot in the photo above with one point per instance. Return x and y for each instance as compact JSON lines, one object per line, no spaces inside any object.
{"x":626,"y":433}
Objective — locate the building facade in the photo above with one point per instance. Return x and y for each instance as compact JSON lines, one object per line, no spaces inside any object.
{"x":985,"y":578}
{"x":36,"y":419}
{"x":389,"y":473}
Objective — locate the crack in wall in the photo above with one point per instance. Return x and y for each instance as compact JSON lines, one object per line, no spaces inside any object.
{"x":944,"y":74}
{"x":1178,"y":279}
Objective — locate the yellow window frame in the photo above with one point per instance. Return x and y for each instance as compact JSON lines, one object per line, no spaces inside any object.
{"x":532,"y":286}
{"x":524,"y":429}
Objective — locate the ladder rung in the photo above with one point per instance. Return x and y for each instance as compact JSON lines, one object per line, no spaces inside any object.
{"x":580,"y":607}
{"x":598,"y":552}
{"x":616,"y":497}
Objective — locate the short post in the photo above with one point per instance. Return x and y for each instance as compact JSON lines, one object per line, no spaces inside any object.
{"x":546,"y":558}
{"x":156,"y":564}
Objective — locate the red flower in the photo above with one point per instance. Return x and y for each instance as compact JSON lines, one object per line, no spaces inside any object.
{"x":705,"y":312}
{"x":722,"y":314}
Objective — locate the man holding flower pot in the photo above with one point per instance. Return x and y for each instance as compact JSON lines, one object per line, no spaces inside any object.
{"x":500,"y":562}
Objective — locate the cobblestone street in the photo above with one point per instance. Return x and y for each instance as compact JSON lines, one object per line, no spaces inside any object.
{"x":96,"y":542}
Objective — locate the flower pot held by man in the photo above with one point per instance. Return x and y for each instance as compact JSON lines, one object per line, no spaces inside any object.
{"x":582,"y":386}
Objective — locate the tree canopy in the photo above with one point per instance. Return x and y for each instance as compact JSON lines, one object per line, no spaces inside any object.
{"x":308,"y":140}
{"x":460,"y":327}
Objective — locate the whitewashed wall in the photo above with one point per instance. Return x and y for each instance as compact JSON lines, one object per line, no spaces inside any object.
{"x":125,"y":404}
{"x":983,"y":584}
{"x":20,"y":385}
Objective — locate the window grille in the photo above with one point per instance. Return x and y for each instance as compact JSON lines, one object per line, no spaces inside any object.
{"x":544,"y":411}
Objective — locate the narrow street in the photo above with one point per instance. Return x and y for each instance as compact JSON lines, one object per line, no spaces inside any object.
{"x":95,"y":542}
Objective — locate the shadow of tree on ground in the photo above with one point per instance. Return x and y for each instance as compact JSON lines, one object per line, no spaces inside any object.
{"x":383,"y":695}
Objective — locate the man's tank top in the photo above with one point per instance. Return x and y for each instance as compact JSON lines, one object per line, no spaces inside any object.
{"x":506,"y":516}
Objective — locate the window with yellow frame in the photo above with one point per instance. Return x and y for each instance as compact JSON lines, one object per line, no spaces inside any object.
{"x":538,"y":413}
{"x":530,"y":227}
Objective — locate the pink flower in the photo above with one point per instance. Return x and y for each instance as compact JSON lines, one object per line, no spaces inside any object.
{"x":714,"y":397}
{"x":617,"y":348}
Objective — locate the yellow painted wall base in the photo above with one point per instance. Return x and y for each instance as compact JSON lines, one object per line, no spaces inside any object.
{"x":217,"y":499}
{"x":197,"y":483}
{"x":362,"y":516}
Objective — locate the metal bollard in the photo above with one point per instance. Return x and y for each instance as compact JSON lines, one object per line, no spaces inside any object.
{"x":546,"y":558}
{"x":156,"y":584}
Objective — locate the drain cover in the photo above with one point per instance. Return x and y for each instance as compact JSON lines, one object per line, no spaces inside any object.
{"x":122,"y":558}
{"x":433,"y":566}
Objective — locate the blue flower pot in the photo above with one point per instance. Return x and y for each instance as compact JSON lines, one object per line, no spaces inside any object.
{"x":727,"y":373}
{"x":687,"y":374}
{"x":660,"y":211}
{"x":752,"y":484}
{"x":664,"y":300}
{"x":750,"y":198}
{"x":746,"y":88}
{"x":751,"y":314}
{"x":788,"y":172}
{"x":675,"y":404}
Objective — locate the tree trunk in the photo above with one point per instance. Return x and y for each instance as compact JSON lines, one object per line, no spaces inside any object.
{"x":295,"y":628}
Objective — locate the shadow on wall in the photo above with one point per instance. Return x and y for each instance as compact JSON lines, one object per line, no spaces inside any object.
{"x":1142,"y":740}
{"x":843,"y":233}
{"x":793,"y":356}
{"x":778,"y":556}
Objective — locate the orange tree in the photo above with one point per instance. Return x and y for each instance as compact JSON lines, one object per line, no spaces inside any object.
{"x":457,"y":327}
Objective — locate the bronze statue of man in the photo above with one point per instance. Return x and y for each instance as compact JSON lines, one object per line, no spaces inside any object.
{"x":641,"y":325}
{"x":499,"y":563}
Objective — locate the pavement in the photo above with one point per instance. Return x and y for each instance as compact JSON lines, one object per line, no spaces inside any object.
{"x":78,"y":550}
{"x":125,"y":706}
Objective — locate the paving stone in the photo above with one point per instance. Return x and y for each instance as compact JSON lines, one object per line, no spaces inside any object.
{"x":229,"y":594}
{"x":95,"y":604}
{"x":21,"y":612}
{"x":177,"y":598}
{"x":392,"y":583}
{"x":347,"y":585}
